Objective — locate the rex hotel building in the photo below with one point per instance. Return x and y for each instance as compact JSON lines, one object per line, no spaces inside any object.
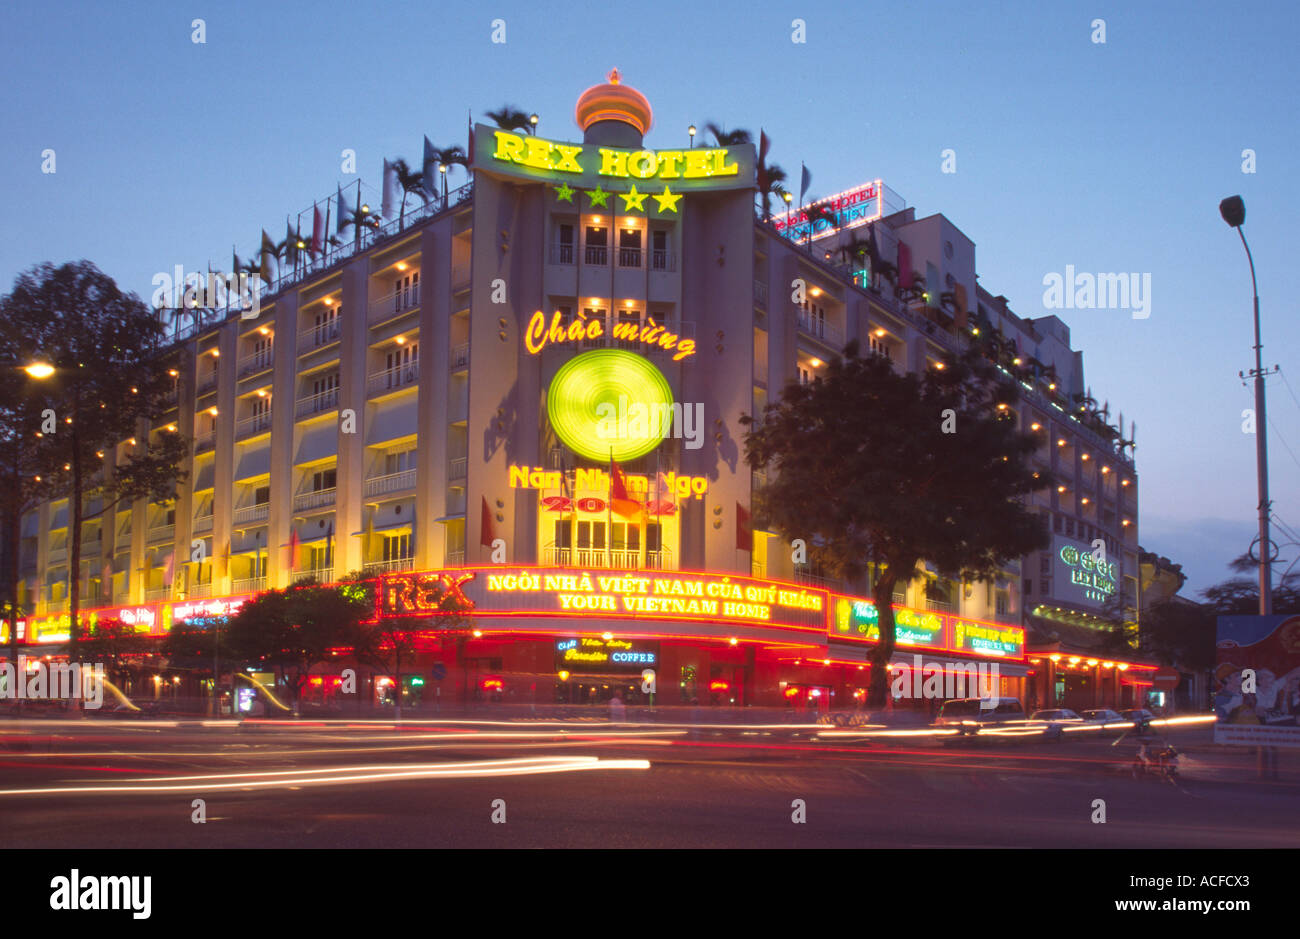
{"x":419,"y":402}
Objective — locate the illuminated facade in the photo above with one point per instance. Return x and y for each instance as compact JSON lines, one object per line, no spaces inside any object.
{"x":444,"y":395}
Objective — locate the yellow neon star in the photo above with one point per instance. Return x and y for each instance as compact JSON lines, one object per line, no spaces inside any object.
{"x":563,"y":193}
{"x":668,"y":201}
{"x":597,"y":196}
{"x":633,"y":200}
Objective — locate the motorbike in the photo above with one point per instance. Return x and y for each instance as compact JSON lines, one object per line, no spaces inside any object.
{"x":1154,"y":756}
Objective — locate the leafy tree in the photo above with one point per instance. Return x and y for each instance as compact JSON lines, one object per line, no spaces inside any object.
{"x":113,"y":643}
{"x":860,"y":467}
{"x":412,"y":184}
{"x":291,"y":630}
{"x":509,"y":117}
{"x":448,"y":157}
{"x":728,"y":138}
{"x":111,"y":379}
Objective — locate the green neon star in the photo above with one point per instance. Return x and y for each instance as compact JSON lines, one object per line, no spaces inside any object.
{"x":597,"y":197}
{"x":668,"y":201}
{"x":563,"y":193}
{"x":633,"y":200}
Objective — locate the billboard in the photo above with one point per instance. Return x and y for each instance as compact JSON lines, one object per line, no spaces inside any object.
{"x":1257,"y":681}
{"x":852,"y":208}
{"x":1079,"y":577}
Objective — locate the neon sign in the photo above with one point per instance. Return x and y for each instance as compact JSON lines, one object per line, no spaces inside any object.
{"x":437,"y":594}
{"x":540,"y":334}
{"x":612,"y":652}
{"x":597,"y":480}
{"x":588,"y":386}
{"x":536,"y":158}
{"x":859,"y":619}
{"x":987,"y":638}
{"x":852,"y":208}
{"x":1096,"y":578}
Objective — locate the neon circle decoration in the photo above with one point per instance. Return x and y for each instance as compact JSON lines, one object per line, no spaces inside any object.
{"x":593,"y":403}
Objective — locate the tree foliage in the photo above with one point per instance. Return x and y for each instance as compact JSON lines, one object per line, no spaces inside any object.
{"x":860,"y":467}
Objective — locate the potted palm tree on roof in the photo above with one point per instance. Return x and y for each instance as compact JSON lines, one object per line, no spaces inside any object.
{"x":412,"y":184}
{"x":728,"y":138}
{"x":508,"y":117}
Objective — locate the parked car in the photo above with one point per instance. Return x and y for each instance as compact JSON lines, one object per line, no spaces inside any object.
{"x":1107,"y":720}
{"x":1137,"y":715}
{"x":970,"y":715}
{"x":1056,"y":720}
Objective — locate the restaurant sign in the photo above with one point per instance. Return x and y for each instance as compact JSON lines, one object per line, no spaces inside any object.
{"x":858,"y":619}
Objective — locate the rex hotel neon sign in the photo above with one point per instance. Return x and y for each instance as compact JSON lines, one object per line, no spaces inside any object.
{"x":542,"y":154}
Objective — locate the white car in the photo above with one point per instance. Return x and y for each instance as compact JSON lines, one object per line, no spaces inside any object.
{"x":1056,"y":720}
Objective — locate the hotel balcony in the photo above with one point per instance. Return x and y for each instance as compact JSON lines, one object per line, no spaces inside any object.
{"x":320,"y":403}
{"x":253,"y":426}
{"x":198,"y":591}
{"x":940,"y":606}
{"x":562,"y":253}
{"x":663,"y":261}
{"x":259,"y":361}
{"x":205,"y":441}
{"x":820,"y":329}
{"x":608,"y":559}
{"x":306,"y":501}
{"x":164,"y":532}
{"x":390,"y":566}
{"x":206,"y":383}
{"x":154,"y":594}
{"x":318,"y":337}
{"x":394,"y":304}
{"x":248,"y":585}
{"x":460,"y":356}
{"x":392,"y":379}
{"x":250,"y":514}
{"x":458,"y":469}
{"x":629,"y":257}
{"x":58,"y":556}
{"x":391,"y":483}
{"x":760,"y":294}
{"x":323,"y":574}
{"x":202,"y":523}
{"x":455,"y":558}
{"x":596,"y":255}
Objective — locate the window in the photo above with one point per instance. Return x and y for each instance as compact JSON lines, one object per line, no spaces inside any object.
{"x":321,"y":557}
{"x":625,"y":537}
{"x":261,"y":495}
{"x":406,"y":291}
{"x":563,"y":533}
{"x":1045,"y":564}
{"x":597,"y":251}
{"x":399,"y":462}
{"x":564,"y":245}
{"x":1056,"y":524}
{"x":1029,"y":587}
{"x":1069,"y":527}
{"x":632,"y":318}
{"x":261,"y":357}
{"x":327,"y":326}
{"x":592,"y":315}
{"x":659,"y":250}
{"x":629,"y":247}
{"x":325,"y":391}
{"x":1003,"y":601}
{"x":323,"y":480}
{"x":397,"y":547}
{"x":260,"y":413}
{"x":402,"y":364}
{"x":880,"y":346}
{"x":805,"y":376}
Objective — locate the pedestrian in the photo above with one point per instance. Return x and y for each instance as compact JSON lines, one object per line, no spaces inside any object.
{"x":617,"y":712}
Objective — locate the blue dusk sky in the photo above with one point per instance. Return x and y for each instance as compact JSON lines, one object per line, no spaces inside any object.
{"x":1108,"y":157}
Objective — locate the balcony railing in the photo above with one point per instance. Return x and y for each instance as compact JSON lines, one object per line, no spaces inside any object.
{"x":663,"y":261}
{"x":206,"y":383}
{"x":205,"y":440}
{"x":760,"y":293}
{"x":608,"y":559}
{"x":158,"y":593}
{"x":162,"y":532}
{"x":940,"y":606}
{"x":562,"y":253}
{"x":258,"y":361}
{"x":899,"y":598}
{"x":253,"y":513}
{"x":318,"y":403}
{"x":597,"y":255}
{"x":390,"y":379}
{"x":811,"y":579}
{"x":460,"y":355}
{"x":455,"y":558}
{"x":202,"y":523}
{"x":458,"y":469}
{"x":819,"y":328}
{"x":394,"y":304}
{"x":317,"y":336}
{"x":386,"y":567}
{"x":392,"y":482}
{"x":323,"y":574}
{"x":249,"y":584}
{"x":629,"y":257}
{"x":250,"y":426}
{"x":304,"y":501}
{"x":198,"y":591}
{"x":58,"y":555}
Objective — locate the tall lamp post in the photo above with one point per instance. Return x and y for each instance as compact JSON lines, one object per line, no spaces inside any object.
{"x":1233,"y":211}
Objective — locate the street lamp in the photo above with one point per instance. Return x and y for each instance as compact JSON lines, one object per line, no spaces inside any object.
{"x":442,"y":169}
{"x":1233,"y":211}
{"x":39,"y":370}
{"x":691,"y":130}
{"x":532,"y":120}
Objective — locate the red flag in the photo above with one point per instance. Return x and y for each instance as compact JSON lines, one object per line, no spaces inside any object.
{"x":485,"y":525}
{"x":763,"y":145}
{"x":317,"y":231}
{"x":623,"y":505}
{"x":744,"y":533}
{"x":293,"y":549}
{"x":959,"y":294}
{"x":904,"y":264}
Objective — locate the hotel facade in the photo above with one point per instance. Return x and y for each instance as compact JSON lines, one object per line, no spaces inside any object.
{"x":418,"y":403}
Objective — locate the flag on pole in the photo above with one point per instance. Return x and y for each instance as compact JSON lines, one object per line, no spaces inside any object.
{"x":428,"y":179}
{"x":623,"y":504}
{"x":763,"y":145}
{"x":268,"y":251}
{"x":485,"y":536}
{"x":290,"y":243}
{"x":904,"y":265}
{"x":744,"y":531}
{"x":388,"y":198}
{"x":342,"y":204}
{"x":805,"y":180}
{"x":293,"y":549}
{"x":317,"y":231}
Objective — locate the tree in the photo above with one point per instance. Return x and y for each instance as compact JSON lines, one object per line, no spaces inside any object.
{"x":728,"y":138}
{"x":412,"y":184}
{"x":112,"y":643}
{"x":448,"y":157}
{"x":509,"y":117}
{"x":878,"y":470}
{"x":293,"y":629}
{"x":111,"y":378}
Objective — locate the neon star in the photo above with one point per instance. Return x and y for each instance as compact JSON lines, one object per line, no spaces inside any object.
{"x":668,"y":201}
{"x":597,"y":197}
{"x":633,"y":200}
{"x":564,"y":193}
